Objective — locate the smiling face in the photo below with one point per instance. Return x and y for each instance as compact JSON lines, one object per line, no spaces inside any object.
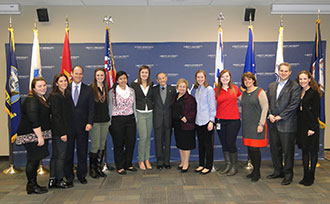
{"x":99,"y":76}
{"x":77,"y":75}
{"x":162,"y":79}
{"x":304,"y":80}
{"x":225,"y":79}
{"x":284,"y":72}
{"x":62,"y":83}
{"x":144,"y":74}
{"x":40,"y":88}
{"x":182,"y":88}
{"x":248,"y":82}
{"x":122,"y":81}
{"x":200,"y":78}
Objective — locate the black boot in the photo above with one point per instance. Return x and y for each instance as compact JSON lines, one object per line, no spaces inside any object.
{"x":305,"y":162}
{"x":233,"y":159}
{"x":256,"y":165}
{"x":99,"y":167}
{"x":227,"y":163}
{"x":92,"y":165}
{"x":32,"y":187}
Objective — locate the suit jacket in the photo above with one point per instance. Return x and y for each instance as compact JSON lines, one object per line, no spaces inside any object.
{"x":285,"y":106}
{"x":162,"y":111}
{"x":83,"y":113}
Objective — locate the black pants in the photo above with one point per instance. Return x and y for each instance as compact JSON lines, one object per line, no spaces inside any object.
{"x":162,"y":136}
{"x":81,"y":138}
{"x":58,"y":158}
{"x":205,"y":146}
{"x":123,"y":132}
{"x":228,"y":134}
{"x":31,"y":169}
{"x":282,"y":143}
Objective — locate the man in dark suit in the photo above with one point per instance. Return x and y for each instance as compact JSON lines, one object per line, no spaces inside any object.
{"x":283,"y":97}
{"x":163,"y":94}
{"x":82,"y":121}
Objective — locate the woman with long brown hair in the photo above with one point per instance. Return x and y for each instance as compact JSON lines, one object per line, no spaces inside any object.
{"x":228,"y":120}
{"x":308,"y":134}
{"x":34,"y":132}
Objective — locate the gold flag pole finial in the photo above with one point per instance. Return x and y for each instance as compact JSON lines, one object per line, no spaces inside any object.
{"x":10,"y":22}
{"x":250,"y":19}
{"x":67,"y":22}
{"x":35,"y":27}
{"x":318,"y":14}
{"x":107,"y":20}
{"x":281,"y":21}
{"x":220,"y":18}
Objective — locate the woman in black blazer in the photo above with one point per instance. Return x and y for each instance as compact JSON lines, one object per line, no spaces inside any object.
{"x":308,"y":133}
{"x":60,"y":104}
{"x":33,"y":131}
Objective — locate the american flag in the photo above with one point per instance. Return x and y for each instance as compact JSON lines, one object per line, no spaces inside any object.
{"x":109,"y":63}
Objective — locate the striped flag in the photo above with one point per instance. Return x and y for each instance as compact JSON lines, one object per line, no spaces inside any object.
{"x":317,"y":68}
{"x":279,"y":51}
{"x":250,"y":65}
{"x":109,"y":63}
{"x":219,"y":65}
{"x":12,"y":93}
{"x":66,"y":56}
{"x":35,"y":57}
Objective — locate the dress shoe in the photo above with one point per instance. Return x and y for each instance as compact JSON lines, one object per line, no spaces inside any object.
{"x":51,"y":183}
{"x":61,"y":184}
{"x":159,"y":167}
{"x":167,"y":166}
{"x":274,"y":176}
{"x":132,"y":168}
{"x":142,"y":165}
{"x":148,"y":165}
{"x":121,"y":172}
{"x":32,"y":188}
{"x":82,"y":180}
{"x":286,"y":182}
{"x":179,"y":167}
{"x":69,"y":183}
{"x":199,"y":169}
{"x":184,"y":170}
{"x":205,"y":172}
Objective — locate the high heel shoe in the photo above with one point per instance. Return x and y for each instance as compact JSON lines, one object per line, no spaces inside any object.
{"x":184,"y":170}
{"x":199,"y":169}
{"x":205,"y":172}
{"x":179,"y":167}
{"x":142,"y":166}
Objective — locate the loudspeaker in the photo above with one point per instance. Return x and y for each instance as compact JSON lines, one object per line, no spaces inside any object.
{"x":249,"y":11}
{"x":42,"y":15}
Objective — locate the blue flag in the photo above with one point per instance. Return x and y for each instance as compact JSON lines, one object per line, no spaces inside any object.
{"x":12,"y":94}
{"x":250,"y":65}
{"x":317,"y":68}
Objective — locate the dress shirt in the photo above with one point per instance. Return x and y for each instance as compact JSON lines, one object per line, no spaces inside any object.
{"x":73,"y":87}
{"x":280,"y":86}
{"x":206,"y":110}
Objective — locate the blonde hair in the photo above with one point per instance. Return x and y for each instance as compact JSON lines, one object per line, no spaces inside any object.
{"x":182,"y":80}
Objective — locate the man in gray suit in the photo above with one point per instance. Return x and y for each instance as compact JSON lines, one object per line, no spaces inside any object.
{"x":163,"y":95}
{"x":283,"y":96}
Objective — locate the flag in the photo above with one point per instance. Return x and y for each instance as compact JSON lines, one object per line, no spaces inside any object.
{"x":35,"y":57}
{"x":109,"y":63}
{"x":66,"y":56}
{"x":250,"y":65}
{"x":12,"y":94}
{"x":218,"y":56}
{"x":279,"y":51}
{"x":317,"y":68}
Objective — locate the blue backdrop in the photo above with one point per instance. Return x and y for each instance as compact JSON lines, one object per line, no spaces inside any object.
{"x":176,"y":59}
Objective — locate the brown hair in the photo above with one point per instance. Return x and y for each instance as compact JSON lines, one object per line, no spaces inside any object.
{"x":230,"y":84}
{"x":313,"y":84}
{"x":248,"y":75}
{"x":33,"y":93}
{"x":139,"y":80}
{"x":205,"y":82}
{"x":105,"y":94}
{"x":55,"y":88}
{"x":284,"y":64}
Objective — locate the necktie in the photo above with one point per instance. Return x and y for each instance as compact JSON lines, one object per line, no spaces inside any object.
{"x":75,"y":95}
{"x":163,"y":94}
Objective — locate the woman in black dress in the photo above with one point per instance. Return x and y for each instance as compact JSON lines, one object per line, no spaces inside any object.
{"x":60,"y":104}
{"x":308,"y":125}
{"x":184,"y":110}
{"x":33,"y":132}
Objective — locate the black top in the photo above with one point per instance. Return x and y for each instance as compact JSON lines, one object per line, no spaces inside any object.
{"x":101,"y":110}
{"x":34,"y":114}
{"x":141,"y":99}
{"x":177,"y":109}
{"x":61,"y":111}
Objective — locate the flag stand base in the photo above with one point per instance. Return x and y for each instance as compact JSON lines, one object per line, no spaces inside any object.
{"x":11,"y":170}
{"x":42,"y":170}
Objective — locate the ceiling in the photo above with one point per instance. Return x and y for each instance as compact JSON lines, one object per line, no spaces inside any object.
{"x":158,"y":2}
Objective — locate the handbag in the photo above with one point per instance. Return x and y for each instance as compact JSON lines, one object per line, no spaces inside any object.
{"x":32,"y":137}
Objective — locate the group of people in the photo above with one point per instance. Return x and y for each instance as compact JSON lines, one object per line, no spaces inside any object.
{"x":74,"y":111}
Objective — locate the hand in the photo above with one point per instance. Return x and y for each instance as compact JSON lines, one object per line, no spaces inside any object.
{"x":64,"y":138}
{"x":260,"y":128}
{"x":272,"y":118}
{"x":210,"y":126}
{"x":184,"y":119}
{"x":41,"y":141}
{"x":277,"y":118}
{"x":88,"y":127}
{"x":310,"y":132}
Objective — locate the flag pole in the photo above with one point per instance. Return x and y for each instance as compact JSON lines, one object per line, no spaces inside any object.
{"x":11,"y":169}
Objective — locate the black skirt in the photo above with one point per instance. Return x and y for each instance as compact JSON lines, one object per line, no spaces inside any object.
{"x":185,"y":139}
